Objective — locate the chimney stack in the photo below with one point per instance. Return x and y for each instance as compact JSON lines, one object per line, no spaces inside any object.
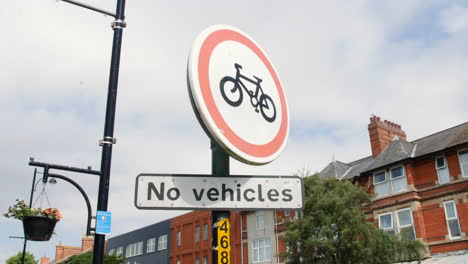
{"x":45,"y":260}
{"x":381,"y":133}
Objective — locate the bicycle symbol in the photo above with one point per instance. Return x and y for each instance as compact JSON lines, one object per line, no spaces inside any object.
{"x":258,"y":98}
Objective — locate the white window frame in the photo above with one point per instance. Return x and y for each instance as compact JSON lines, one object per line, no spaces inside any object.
{"x":179,"y":238}
{"x":119,"y":251}
{"x":197,"y":234}
{"x":259,"y":224}
{"x":151,"y":245}
{"x":134,"y":249}
{"x":395,"y":221}
{"x":460,"y":153}
{"x":389,"y":180}
{"x":256,"y":250}
{"x":387,"y":229}
{"x":403,"y":176}
{"x":447,"y":219}
{"x":162,"y":242}
{"x":386,"y":182}
{"x":439,"y":169}
{"x":405,"y":226}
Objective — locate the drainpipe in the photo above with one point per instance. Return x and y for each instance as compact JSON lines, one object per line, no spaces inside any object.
{"x":276,"y":237}
{"x":241,"y":240}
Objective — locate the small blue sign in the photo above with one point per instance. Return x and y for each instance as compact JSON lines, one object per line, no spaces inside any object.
{"x":103,"y":222}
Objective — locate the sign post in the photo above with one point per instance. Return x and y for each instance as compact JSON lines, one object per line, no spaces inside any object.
{"x":219,"y":168}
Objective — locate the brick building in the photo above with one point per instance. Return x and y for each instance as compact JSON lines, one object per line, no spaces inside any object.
{"x":191,"y":238}
{"x":420,"y":187}
{"x":63,"y":253}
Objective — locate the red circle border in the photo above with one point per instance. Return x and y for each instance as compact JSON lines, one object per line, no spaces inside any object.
{"x":206,"y":50}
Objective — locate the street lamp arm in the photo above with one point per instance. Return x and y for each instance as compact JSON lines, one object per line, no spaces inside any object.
{"x":64,"y":168}
{"x":88,"y":204}
{"x":90,"y":8}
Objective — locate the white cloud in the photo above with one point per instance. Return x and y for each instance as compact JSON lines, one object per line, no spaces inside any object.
{"x":454,"y":18}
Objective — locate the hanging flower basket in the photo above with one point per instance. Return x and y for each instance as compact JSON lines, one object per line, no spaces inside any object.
{"x":38,"y":223}
{"x":38,"y":228}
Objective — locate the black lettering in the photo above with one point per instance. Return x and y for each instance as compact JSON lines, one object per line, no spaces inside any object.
{"x":159,"y":195}
{"x":260,"y":197}
{"x":286,"y":192}
{"x":238,"y":192}
{"x":272,"y":194}
{"x":198,"y":196}
{"x":212,"y":193}
{"x":224,"y":190}
{"x":247,"y":198}
{"x":176,"y":195}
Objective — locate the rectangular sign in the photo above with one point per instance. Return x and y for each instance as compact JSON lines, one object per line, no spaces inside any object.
{"x":224,"y":241}
{"x":103,"y":222}
{"x":205,"y":192}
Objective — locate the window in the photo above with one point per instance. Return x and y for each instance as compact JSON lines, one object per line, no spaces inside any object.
{"x":287,"y":213}
{"x":111,"y":251}
{"x":205,"y":260}
{"x":134,"y":249}
{"x":463,"y":159}
{"x":205,"y":232}
{"x":178,"y":261}
{"x":386,"y":223}
{"x":151,"y":245}
{"x":261,"y":250}
{"x":119,"y":251}
{"x":179,"y":238}
{"x":162,"y":242}
{"x":403,"y":226}
{"x":398,"y":179}
{"x":260,"y":220}
{"x":387,"y":185}
{"x":442,"y":170}
{"x":197,"y":234}
{"x":452,"y":219}
{"x":381,"y":184}
{"x":197,"y":260}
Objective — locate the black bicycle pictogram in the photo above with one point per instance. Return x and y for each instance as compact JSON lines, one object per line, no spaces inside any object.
{"x":258,"y":98}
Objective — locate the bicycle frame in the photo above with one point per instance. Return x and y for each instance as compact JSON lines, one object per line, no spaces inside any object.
{"x":258,"y":88}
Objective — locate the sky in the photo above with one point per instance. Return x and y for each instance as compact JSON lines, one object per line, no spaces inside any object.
{"x":339,"y":62}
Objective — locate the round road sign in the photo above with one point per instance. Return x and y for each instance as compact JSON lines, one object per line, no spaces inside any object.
{"x":237,"y":95}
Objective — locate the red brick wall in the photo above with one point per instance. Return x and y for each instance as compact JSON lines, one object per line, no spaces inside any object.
{"x":453,"y":165}
{"x":434,"y":221}
{"x":447,"y":247}
{"x":65,"y":251}
{"x":190,"y":250}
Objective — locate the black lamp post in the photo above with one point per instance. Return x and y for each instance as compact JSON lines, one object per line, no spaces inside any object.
{"x":108,"y":138}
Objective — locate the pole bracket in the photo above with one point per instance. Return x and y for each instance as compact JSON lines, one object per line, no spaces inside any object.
{"x":107,"y":140}
{"x":119,"y":23}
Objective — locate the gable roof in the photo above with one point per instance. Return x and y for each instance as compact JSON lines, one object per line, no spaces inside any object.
{"x":399,"y":150}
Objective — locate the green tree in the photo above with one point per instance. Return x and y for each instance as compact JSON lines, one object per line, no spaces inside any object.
{"x":87,"y":258}
{"x":333,"y":229}
{"x":28,"y":259}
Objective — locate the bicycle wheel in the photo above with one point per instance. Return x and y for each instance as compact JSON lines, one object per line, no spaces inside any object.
{"x":267,"y":107}
{"x":234,"y":95}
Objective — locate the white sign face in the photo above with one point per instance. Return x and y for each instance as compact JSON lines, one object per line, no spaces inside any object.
{"x":205,"y":192}
{"x":237,"y":95}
